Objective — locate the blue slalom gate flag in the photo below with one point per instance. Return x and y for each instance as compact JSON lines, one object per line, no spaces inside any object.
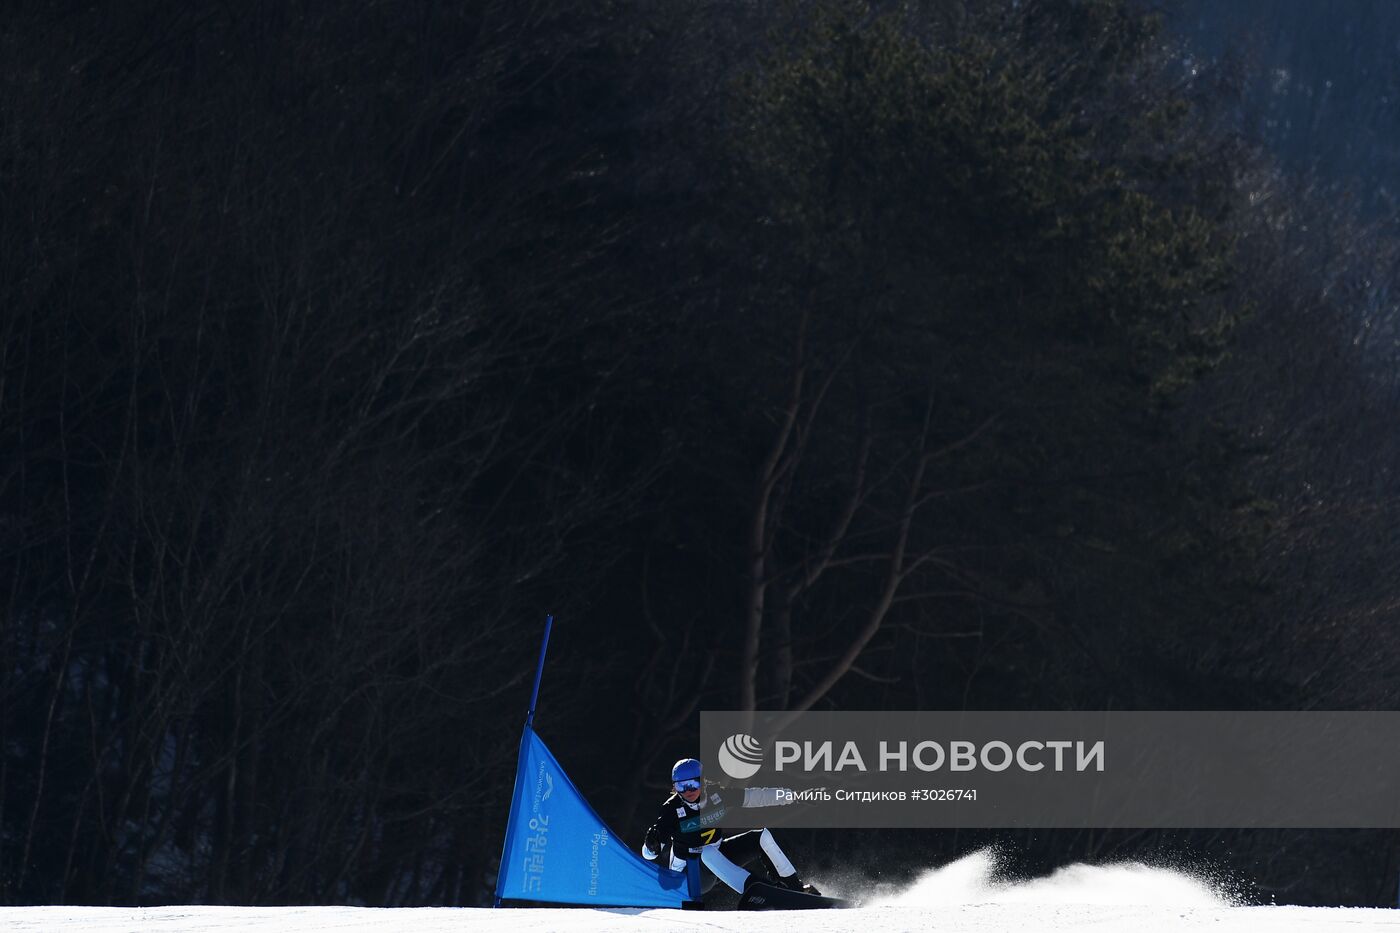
{"x":558,"y":850}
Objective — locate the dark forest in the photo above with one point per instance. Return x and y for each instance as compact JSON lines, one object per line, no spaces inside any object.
{"x":833,"y":354}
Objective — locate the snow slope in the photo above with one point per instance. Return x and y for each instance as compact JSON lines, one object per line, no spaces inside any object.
{"x":958,"y":918}
{"x":964,"y":897}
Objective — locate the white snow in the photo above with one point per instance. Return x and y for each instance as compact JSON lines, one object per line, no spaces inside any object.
{"x":952,"y":918}
{"x":974,"y":879}
{"x":966,"y":896}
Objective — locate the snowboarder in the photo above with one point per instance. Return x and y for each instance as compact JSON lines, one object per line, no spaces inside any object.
{"x":689,"y":824}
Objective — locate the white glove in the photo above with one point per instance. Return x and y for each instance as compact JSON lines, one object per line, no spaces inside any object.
{"x":647,"y":854}
{"x":767,"y":797}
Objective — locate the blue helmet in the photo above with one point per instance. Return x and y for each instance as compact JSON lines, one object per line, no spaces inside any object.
{"x":687,"y":769}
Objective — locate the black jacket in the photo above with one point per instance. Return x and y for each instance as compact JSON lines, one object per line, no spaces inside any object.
{"x":689,"y":827}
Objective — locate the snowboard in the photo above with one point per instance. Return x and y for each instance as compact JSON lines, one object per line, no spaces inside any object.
{"x":763,"y":896}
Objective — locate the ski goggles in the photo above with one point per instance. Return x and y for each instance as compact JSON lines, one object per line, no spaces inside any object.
{"x":683,"y":786}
